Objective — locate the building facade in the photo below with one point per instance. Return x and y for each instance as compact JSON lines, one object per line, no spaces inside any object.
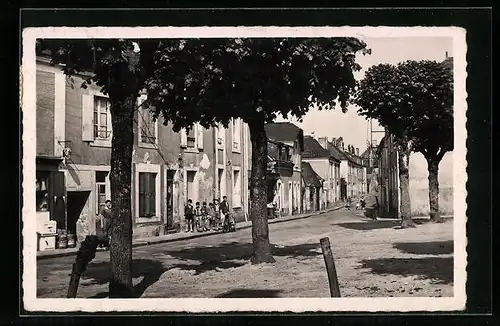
{"x":73,"y":153}
{"x":285,"y":147}
{"x":229,"y":147}
{"x":326,"y":166}
{"x":353,"y":178}
{"x":313,"y":185}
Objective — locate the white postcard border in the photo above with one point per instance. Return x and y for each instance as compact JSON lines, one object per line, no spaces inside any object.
{"x":28,"y":105}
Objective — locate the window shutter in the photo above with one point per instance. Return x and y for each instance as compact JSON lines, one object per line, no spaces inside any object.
{"x":183,"y":137}
{"x":152,"y":194}
{"x":199,"y":136}
{"x":142,"y":194}
{"x":87,"y":117}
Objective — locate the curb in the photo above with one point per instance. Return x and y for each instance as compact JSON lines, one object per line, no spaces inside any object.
{"x":194,"y":236}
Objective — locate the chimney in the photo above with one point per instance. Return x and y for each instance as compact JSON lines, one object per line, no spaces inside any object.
{"x":446,"y":54}
{"x":357,"y":151}
{"x":313,"y":135}
{"x":323,"y":141}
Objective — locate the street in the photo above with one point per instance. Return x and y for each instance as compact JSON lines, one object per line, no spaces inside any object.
{"x":372,"y":258}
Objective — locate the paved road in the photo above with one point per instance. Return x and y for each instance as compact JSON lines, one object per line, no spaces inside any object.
{"x":151,"y":261}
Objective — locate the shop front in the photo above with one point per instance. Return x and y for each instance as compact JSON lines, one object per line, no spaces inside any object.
{"x":50,"y":201}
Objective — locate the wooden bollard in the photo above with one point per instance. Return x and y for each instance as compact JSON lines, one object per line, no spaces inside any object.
{"x":330,"y":268}
{"x":84,"y":256}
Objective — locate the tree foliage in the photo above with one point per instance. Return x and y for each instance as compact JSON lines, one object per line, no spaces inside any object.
{"x":215,"y":80}
{"x":414,"y":100}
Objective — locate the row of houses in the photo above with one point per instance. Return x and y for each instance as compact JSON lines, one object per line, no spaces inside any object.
{"x":73,"y":152}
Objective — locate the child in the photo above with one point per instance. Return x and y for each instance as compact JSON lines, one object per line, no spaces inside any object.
{"x":204,"y":216}
{"x":198,"y":215}
{"x":218,"y":214}
{"x":211,"y":216}
{"x":189,"y":214}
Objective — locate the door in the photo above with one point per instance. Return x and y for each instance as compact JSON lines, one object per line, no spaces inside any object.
{"x":191,"y":192}
{"x":58,"y":197}
{"x":170,"y":199}
{"x":317,"y":199}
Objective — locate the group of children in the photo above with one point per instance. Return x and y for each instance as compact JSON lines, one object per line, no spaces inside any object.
{"x":214,"y":216}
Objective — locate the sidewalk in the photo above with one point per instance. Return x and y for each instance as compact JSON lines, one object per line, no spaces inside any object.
{"x":183,"y":235}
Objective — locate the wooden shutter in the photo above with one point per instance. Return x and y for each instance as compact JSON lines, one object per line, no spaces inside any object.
{"x":183,"y":137}
{"x":152,"y":194}
{"x":142,"y":194}
{"x":199,"y":135}
{"x":58,"y":199}
{"x":87,"y":117}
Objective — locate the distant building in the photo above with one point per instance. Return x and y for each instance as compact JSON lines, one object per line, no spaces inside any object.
{"x":353,"y":178}
{"x":313,"y":185}
{"x":285,"y":147}
{"x":326,"y":166}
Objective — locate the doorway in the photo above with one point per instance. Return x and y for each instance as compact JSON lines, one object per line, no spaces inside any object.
{"x":191,"y":191}
{"x":170,"y":199}
{"x":76,"y":202}
{"x":221,"y":184}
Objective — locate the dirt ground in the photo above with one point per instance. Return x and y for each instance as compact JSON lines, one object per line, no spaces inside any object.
{"x":372,"y":258}
{"x":371,"y":263}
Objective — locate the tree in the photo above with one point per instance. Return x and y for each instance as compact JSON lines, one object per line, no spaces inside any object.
{"x":212,"y":81}
{"x":119,"y":67}
{"x":432,"y":129}
{"x":413,"y":100}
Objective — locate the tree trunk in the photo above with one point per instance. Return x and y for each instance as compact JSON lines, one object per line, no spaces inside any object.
{"x":120,"y":285}
{"x":433,"y":168}
{"x":258,"y":195}
{"x":404,"y":188}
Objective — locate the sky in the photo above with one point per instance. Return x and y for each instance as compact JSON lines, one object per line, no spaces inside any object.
{"x":353,"y":128}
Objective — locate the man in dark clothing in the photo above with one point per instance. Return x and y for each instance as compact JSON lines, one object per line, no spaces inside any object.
{"x":105,"y":216}
{"x":189,"y":215}
{"x":226,"y":215}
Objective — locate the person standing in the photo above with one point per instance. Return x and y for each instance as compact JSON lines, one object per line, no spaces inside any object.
{"x":105,"y":216}
{"x":218,"y":214}
{"x":189,"y":215}
{"x":226,"y":214}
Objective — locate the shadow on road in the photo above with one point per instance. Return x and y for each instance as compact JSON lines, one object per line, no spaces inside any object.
{"x":234,"y":254}
{"x":438,"y":269}
{"x":426,"y":248}
{"x":150,"y":270}
{"x":250,"y":293}
{"x":369,"y":225}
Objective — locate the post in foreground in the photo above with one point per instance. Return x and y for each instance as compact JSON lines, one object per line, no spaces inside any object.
{"x":330,"y":268}
{"x":84,"y":256}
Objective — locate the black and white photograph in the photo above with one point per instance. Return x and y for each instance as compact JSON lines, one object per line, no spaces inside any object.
{"x":299,"y":168}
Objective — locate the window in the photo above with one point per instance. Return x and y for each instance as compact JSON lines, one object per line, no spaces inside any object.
{"x":101,"y":190}
{"x":236,"y":124}
{"x":236,"y":188}
{"x":147,"y":194}
{"x":42,"y":191}
{"x":191,"y":138}
{"x":102,"y":118}
{"x":148,"y":126}
{"x":221,"y":135}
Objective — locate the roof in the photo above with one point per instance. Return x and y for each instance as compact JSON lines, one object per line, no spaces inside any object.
{"x":284,"y":132}
{"x":366,"y":153}
{"x":448,"y":62}
{"x":313,"y":149}
{"x":336,"y":152}
{"x":311,"y":178}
